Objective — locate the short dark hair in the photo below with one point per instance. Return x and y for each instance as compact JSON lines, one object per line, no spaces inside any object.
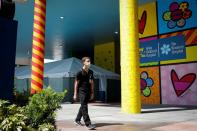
{"x":85,"y":58}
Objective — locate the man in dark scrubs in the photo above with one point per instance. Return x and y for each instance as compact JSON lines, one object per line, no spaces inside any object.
{"x":84,"y":88}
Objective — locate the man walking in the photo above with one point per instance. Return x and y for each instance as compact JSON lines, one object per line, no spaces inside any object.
{"x":84,"y":85}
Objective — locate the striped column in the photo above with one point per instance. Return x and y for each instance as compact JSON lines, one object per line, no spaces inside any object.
{"x":129,"y":43}
{"x":38,"y":46}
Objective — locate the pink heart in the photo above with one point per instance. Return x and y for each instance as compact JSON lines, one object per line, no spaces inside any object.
{"x":182,"y":84}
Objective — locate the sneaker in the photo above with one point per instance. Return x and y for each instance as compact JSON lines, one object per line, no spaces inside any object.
{"x":91,"y":127}
{"x":78,"y":123}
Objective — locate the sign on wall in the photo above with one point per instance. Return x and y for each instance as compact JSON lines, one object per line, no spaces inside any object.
{"x":163,"y":49}
{"x":146,"y":40}
{"x":190,"y":53}
{"x":176,"y":15}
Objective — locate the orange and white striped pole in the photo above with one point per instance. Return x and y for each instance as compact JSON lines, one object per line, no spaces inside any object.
{"x":38,"y":46}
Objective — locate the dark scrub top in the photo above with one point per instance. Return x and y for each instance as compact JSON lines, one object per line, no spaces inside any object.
{"x":84,"y":81}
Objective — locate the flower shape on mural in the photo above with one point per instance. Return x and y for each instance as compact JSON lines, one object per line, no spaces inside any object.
{"x":146,"y":83}
{"x":177,"y":14}
{"x":183,"y":6}
{"x":165,"y":49}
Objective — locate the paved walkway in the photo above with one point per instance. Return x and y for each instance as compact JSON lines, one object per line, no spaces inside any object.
{"x":108,"y":117}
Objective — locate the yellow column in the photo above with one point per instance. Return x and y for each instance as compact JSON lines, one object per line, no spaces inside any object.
{"x":130,"y":81}
{"x":38,"y":46}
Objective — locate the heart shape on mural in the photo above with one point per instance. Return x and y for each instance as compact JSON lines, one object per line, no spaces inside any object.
{"x":142,"y":22}
{"x":182,"y":84}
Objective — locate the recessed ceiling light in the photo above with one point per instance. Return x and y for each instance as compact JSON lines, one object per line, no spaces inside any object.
{"x":116,"y":32}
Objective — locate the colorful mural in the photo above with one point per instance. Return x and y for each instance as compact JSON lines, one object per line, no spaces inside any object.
{"x":179,"y":84}
{"x":176,"y":15}
{"x":190,"y":36}
{"x":149,"y":82}
{"x":176,"y":78}
{"x":183,"y":84}
{"x":146,"y":83}
{"x":147,"y":20}
{"x":142,"y":22}
{"x":148,"y":39}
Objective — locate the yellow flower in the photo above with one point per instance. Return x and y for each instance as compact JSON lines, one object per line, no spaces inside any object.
{"x":183,"y":6}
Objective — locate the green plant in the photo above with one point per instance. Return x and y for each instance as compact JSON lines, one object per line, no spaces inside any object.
{"x":42,"y":106}
{"x":38,"y":114}
{"x":46,"y":127}
{"x":11,"y":117}
{"x":21,"y":98}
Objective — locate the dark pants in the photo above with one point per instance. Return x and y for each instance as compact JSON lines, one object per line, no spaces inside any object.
{"x":83,"y":110}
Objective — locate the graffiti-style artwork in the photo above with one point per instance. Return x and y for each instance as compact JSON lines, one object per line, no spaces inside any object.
{"x":149,"y":82}
{"x":179,"y":84}
{"x":147,"y":19}
{"x":190,"y":36}
{"x":183,"y":84}
{"x":142,"y":22}
{"x":146,"y":83}
{"x":176,"y":15}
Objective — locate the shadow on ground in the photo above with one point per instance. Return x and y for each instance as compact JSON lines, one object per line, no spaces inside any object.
{"x":107,"y":124}
{"x":165,"y":108}
{"x":152,"y":108}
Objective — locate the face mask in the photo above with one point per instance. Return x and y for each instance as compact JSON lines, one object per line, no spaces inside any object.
{"x":89,"y":66}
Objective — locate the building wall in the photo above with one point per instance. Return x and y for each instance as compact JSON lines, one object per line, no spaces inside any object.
{"x":169,"y":81}
{"x":104,"y":56}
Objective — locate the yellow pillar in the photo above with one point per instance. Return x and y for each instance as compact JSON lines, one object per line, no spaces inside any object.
{"x":129,"y":42}
{"x":38,"y":46}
